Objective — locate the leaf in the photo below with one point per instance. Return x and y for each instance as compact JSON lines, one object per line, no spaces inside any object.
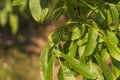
{"x":105,"y":69}
{"x":21,"y":3}
{"x":57,"y":34}
{"x":4,"y":13}
{"x":101,"y":15}
{"x":38,"y":9}
{"x":3,"y":18}
{"x":49,"y":70}
{"x":23,"y":7}
{"x":109,"y":17}
{"x":116,"y":71}
{"x":58,"y":13}
{"x":35,"y":9}
{"x":50,"y":37}
{"x":112,"y":37}
{"x":59,"y":4}
{"x":72,"y":49}
{"x":43,"y":63}
{"x":81,"y":50}
{"x":65,"y":37}
{"x":105,"y":55}
{"x":118,"y":6}
{"x":65,"y":74}
{"x":111,"y":42}
{"x":89,"y":5}
{"x":70,"y":10}
{"x":116,"y":63}
{"x":8,"y":7}
{"x":18,"y":2}
{"x":44,"y":60}
{"x":79,"y":67}
{"x":83,"y":41}
{"x":116,"y":67}
{"x":75,"y":33}
{"x":91,"y":44}
{"x":13,"y":23}
{"x":97,"y":70}
{"x":44,"y":11}
{"x":115,"y":15}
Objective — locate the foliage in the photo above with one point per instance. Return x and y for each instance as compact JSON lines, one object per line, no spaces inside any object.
{"x":8,"y":15}
{"x":85,"y":43}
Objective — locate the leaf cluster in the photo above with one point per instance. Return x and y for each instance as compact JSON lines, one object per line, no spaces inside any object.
{"x":84,"y":45}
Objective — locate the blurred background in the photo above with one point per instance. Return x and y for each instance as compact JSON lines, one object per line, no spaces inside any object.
{"x":21,"y":41}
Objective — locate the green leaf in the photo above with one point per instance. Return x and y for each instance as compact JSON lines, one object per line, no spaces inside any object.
{"x":35,"y":9}
{"x":79,"y":67}
{"x":116,"y":71}
{"x":91,"y":44}
{"x":38,"y":9}
{"x":111,"y":42}
{"x":8,"y":7}
{"x":89,"y":5}
{"x":109,"y":17}
{"x":44,"y":60}
{"x":44,"y":11}
{"x":65,"y":74}
{"x":70,"y":10}
{"x":116,"y":63}
{"x":55,"y":37}
{"x":105,"y":55}
{"x":76,"y":33}
{"x":58,"y":13}
{"x":18,"y":2}
{"x":115,"y":15}
{"x":118,"y":6}
{"x":97,"y":70}
{"x":3,"y":18}
{"x":81,"y":50}
{"x":72,"y":49}
{"x":112,"y":37}
{"x":83,"y":41}
{"x":22,"y":4}
{"x":57,"y":34}
{"x":43,"y":63}
{"x":59,"y":4}
{"x":13,"y":23}
{"x":116,"y":67}
{"x":49,"y":70}
{"x":105,"y":69}
{"x":4,"y":13}
{"x":101,"y":15}
{"x":65,"y":37}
